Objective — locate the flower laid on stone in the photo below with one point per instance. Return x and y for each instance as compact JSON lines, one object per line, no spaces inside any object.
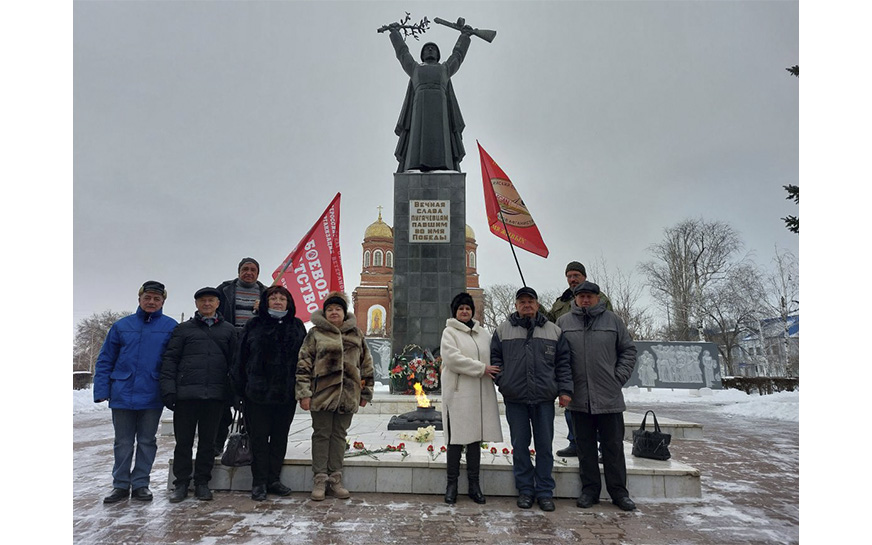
{"x":433,"y":453}
{"x":361,"y":450}
{"x":422,"y":435}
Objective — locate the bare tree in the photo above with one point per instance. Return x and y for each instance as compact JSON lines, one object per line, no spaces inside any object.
{"x":499,"y":302}
{"x":733,"y":308}
{"x":692,"y":255}
{"x":783,"y":301}
{"x":90,"y":334}
{"x":625,"y":295}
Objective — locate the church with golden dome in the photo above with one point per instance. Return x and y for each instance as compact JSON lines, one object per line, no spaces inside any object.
{"x":372,"y":299}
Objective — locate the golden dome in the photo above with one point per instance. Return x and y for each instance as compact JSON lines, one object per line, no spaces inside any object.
{"x":378,"y":229}
{"x":470,"y":234}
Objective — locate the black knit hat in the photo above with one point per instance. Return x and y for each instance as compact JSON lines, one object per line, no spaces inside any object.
{"x":153,"y":286}
{"x":589,"y":287}
{"x":575,"y":266}
{"x":461,"y":298}
{"x":336,"y":298}
{"x":248,"y":260}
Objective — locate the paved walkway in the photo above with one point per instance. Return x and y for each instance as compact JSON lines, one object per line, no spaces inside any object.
{"x":750,"y":497}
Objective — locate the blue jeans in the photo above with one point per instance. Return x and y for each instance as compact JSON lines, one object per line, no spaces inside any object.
{"x":534,"y":422}
{"x":134,"y":430}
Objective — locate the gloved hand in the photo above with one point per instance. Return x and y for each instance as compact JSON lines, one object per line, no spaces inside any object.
{"x":169,"y":401}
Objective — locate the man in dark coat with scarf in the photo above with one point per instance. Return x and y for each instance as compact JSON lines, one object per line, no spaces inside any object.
{"x":430,"y":124}
{"x":195,"y":384}
{"x":602,"y":357}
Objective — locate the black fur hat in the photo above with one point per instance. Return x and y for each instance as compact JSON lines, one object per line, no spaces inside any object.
{"x":461,"y":298}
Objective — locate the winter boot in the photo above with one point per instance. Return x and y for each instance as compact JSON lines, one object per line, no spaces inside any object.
{"x":334,"y":486}
{"x":180,"y":493}
{"x":473,"y":464}
{"x":319,"y":488}
{"x":453,"y":469}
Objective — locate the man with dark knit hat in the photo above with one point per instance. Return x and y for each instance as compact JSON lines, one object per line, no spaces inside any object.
{"x":602,"y":359}
{"x":126,"y":375}
{"x":238,"y":295}
{"x":533,"y":359}
{"x":575,"y":275}
{"x":195,"y":385}
{"x":237,"y":301}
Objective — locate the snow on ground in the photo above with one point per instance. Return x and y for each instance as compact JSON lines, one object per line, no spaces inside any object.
{"x":778,"y":406}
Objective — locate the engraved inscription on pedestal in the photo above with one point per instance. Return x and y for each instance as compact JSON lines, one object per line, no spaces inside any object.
{"x":429,"y":221}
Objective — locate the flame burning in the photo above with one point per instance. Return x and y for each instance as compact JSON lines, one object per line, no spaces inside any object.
{"x":421,"y":396}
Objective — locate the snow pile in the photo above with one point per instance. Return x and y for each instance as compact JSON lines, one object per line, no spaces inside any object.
{"x":83,"y":402}
{"x":778,"y":406}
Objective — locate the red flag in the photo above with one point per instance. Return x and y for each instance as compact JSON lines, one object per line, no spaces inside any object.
{"x":501,"y":199}
{"x":314,"y":267}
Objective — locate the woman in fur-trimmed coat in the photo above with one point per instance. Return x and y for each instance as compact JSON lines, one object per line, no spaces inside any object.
{"x":334,"y":378}
{"x":470,"y":410}
{"x":264,"y":376}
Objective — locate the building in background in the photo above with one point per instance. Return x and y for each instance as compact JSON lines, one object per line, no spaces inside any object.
{"x":372,"y":298}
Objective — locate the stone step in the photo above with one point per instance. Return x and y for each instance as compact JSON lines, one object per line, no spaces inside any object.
{"x":420,"y":471}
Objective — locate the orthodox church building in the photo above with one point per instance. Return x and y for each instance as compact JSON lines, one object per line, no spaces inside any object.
{"x":372,"y":298}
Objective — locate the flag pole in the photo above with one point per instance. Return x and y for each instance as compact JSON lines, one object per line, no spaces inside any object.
{"x":512,"y":246}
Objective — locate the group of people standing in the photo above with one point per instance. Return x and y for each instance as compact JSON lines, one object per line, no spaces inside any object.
{"x":244,"y":348}
{"x":582,"y":361}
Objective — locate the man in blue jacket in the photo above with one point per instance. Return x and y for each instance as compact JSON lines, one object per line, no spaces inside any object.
{"x":533,"y":359}
{"x":126,"y":375}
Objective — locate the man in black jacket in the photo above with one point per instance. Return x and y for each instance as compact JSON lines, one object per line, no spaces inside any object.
{"x":195,"y":384}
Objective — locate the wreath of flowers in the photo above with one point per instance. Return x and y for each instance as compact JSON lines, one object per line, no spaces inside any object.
{"x":415,"y":365}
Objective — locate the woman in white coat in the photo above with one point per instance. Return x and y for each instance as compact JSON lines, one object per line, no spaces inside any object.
{"x":469,"y":400}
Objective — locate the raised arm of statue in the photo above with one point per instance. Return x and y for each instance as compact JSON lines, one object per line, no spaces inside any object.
{"x":407,"y":61}
{"x":452,"y":63}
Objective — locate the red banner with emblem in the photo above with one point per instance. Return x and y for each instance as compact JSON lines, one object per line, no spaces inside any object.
{"x":313,"y":269}
{"x":506,"y":210}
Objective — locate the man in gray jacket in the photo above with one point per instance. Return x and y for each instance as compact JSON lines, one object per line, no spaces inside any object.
{"x":602,"y":359}
{"x":534,"y":370}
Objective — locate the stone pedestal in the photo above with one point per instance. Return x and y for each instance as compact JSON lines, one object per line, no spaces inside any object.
{"x":429,"y":254}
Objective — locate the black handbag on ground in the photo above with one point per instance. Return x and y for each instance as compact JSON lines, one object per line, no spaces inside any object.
{"x":651,"y":444}
{"x":238,"y":451}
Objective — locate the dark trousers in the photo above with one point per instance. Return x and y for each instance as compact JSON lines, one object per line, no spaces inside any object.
{"x":610,"y":428}
{"x":268,"y":427}
{"x":223,"y":430}
{"x":536,"y":423}
{"x":200,"y":416}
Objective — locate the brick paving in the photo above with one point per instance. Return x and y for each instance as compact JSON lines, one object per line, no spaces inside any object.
{"x":750,"y":497}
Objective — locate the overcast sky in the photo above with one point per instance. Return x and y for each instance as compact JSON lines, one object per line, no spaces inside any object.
{"x":209,"y":131}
